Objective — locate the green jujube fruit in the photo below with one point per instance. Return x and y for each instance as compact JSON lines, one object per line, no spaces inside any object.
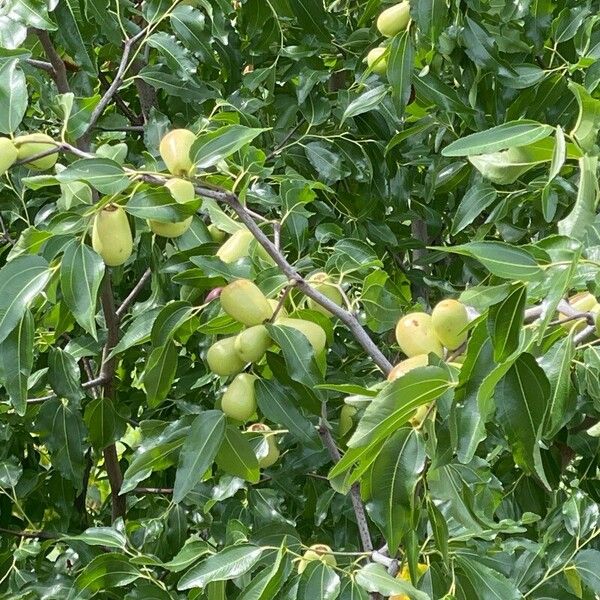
{"x":322,"y":283}
{"x":223,"y":359}
{"x":239,"y":401}
{"x":236,"y":246}
{"x":216,"y":234}
{"x":175,"y":149}
{"x":450,"y":319}
{"x":272,"y":456}
{"x":415,"y":335}
{"x":8,"y":155}
{"x":243,"y":300}
{"x":36,"y":143}
{"x":111,"y":235}
{"x":314,"y":333}
{"x":377,"y":61}
{"x":252,"y":343}
{"x":395,"y":19}
{"x":320,"y":552}
{"x":182,"y":191}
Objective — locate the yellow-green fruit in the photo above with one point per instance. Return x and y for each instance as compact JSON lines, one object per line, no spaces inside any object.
{"x":322,"y":283}
{"x":36,"y":143}
{"x":216,"y":234}
{"x":320,"y":552}
{"x":375,"y":61}
{"x":182,"y":191}
{"x":239,"y":401}
{"x":111,"y":235}
{"x":243,"y":300}
{"x":175,"y":151}
{"x":235,"y":247}
{"x":346,"y":419}
{"x":450,"y":319}
{"x":314,"y":333}
{"x":8,"y":155}
{"x":395,"y":19}
{"x":272,"y":456}
{"x":170,"y":230}
{"x":403,"y":367}
{"x":223,"y":359}
{"x":581,"y":302}
{"x":252,"y":343}
{"x":415,"y":335}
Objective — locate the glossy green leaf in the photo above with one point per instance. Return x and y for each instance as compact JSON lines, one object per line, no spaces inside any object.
{"x":236,"y":456}
{"x":505,"y":322}
{"x":103,"y":174}
{"x":13,"y":96}
{"x":106,"y":571}
{"x":159,"y":373}
{"x":374,"y":578}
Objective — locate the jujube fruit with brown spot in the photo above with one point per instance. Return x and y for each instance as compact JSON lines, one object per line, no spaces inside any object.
{"x":415,"y":335}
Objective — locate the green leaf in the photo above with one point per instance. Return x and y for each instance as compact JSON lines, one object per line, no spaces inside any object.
{"x":236,"y":456}
{"x":397,"y":469}
{"x":318,"y":580}
{"x":575,"y":224}
{"x":328,"y":164}
{"x":10,"y":472}
{"x":21,"y":280}
{"x":80,"y":278}
{"x":507,"y":135}
{"x":351,"y":591}
{"x":276,"y":404}
{"x":168,"y":321}
{"x":62,"y":430}
{"x":16,"y":362}
{"x":311,"y":17}
{"x":105,"y":425}
{"x":505,"y":322}
{"x":588,"y":121}
{"x":521,"y":401}
{"x":374,"y":578}
{"x":500,"y":259}
{"x":105,"y":572}
{"x":103,"y":174}
{"x":267,"y":583}
{"x":366,"y":102}
{"x":101,"y":536}
{"x":198,"y":452}
{"x":177,"y":58}
{"x":64,"y":375}
{"x":586,"y":562}
{"x":13,"y":96}
{"x":400,"y":67}
{"x":474,"y":202}
{"x":490,"y":584}
{"x":159,"y":204}
{"x":159,"y":373}
{"x":227,"y":564}
{"x":69,"y":14}
{"x":191,"y":552}
{"x":395,"y":404}
{"x":138,"y":331}
{"x":209,"y":148}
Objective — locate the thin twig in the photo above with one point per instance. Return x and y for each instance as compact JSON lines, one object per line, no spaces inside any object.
{"x":114,"y":86}
{"x":39,"y":155}
{"x":124,"y":108}
{"x":151,"y":490}
{"x":34,"y":535}
{"x":60,"y":71}
{"x":42,"y":65}
{"x":133,"y":294}
{"x":584,"y":334}
{"x":98,"y":381}
{"x":282,"y":300}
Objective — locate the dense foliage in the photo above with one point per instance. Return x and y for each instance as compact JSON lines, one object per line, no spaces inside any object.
{"x":460,"y":161}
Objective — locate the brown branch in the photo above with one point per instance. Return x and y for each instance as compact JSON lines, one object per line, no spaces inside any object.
{"x":282,"y":300}
{"x":151,"y":490}
{"x":60,"y":71}
{"x":107,"y":372}
{"x":87,"y":385}
{"x":123,"y":107}
{"x":42,"y":65}
{"x":133,"y":294}
{"x":33,"y":535}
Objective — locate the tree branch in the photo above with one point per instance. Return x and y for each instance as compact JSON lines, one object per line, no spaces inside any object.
{"x":124,"y":108}
{"x":133,"y":294}
{"x":60,"y":71}
{"x":33,"y":535}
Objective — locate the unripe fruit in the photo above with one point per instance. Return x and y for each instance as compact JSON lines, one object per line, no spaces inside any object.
{"x":375,"y":61}
{"x":216,"y":234}
{"x":36,"y":143}
{"x":175,"y":151}
{"x":322,"y":283}
{"x":8,"y":155}
{"x":404,"y":574}
{"x":346,"y":419}
{"x":581,"y":302}
{"x":450,"y":319}
{"x":252,"y":343}
{"x":314,"y":333}
{"x":320,"y":552}
{"x":243,"y":300}
{"x":235,"y":247}
{"x":403,"y":367}
{"x":239,"y":401}
{"x":111,"y":235}
{"x":272,"y":456}
{"x":415,"y":335}
{"x":395,"y":19}
{"x":223,"y":359}
{"x":182,"y":191}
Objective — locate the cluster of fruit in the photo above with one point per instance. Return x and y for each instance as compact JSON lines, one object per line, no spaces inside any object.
{"x":244,"y":302}
{"x":390,"y":22}
{"x":25,"y":147}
